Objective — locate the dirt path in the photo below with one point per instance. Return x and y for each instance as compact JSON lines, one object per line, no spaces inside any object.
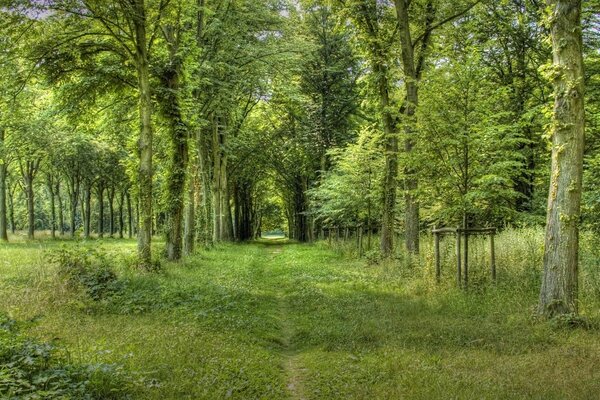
{"x":291,"y":363}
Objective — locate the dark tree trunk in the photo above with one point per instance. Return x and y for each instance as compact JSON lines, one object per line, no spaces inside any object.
{"x":171,"y":108}
{"x":111,"y":210}
{"x":51,"y":194}
{"x":129,"y":216}
{"x":87,"y":211}
{"x":560,"y":280}
{"x":11,"y":208}
{"x":121,"y":216}
{"x":3,"y":213}
{"x":29,"y":193}
{"x":190,"y":214}
{"x":61,"y":221}
{"x":100,"y":211}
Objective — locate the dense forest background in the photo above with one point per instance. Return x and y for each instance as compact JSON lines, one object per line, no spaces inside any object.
{"x":216,"y":120}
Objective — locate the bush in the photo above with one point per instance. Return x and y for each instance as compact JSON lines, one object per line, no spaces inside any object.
{"x":87,"y":269}
{"x":34,"y":370}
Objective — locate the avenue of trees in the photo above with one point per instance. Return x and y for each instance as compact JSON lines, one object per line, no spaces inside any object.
{"x":216,"y":120}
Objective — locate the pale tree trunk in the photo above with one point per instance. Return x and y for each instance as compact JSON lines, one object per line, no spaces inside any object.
{"x":559,"y":283}
{"x":145,"y":140}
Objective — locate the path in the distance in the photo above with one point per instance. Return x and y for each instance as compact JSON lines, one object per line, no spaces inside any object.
{"x":291,"y":363}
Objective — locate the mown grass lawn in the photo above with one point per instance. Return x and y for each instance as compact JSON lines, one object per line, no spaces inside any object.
{"x":277,"y":320}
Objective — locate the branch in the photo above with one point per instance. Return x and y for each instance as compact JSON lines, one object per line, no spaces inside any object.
{"x":445,"y":21}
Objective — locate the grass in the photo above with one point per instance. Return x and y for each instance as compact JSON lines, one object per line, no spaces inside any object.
{"x":278,"y":320}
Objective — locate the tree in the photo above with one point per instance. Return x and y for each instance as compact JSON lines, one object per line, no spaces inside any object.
{"x":561,"y":250}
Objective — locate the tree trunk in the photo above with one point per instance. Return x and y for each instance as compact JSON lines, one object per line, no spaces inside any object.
{"x":411,"y":213}
{"x":51,"y":194}
{"x":30,"y":207}
{"x":179,"y":148}
{"x":100,"y":211}
{"x":74,"y":198}
{"x":129,"y":216}
{"x":87,"y":211}
{"x":61,"y":221}
{"x":121,"y":216}
{"x":559,"y":283}
{"x":11,"y":208}
{"x":111,"y":210}
{"x":145,"y":140}
{"x":3,"y":174}
{"x":190,"y":214}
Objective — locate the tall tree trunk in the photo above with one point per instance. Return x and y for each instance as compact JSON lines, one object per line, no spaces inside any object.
{"x":411,"y":77}
{"x":190,"y":213}
{"x":29,"y":193}
{"x":3,"y":219}
{"x":87,"y":211}
{"x":129,"y":216}
{"x":111,"y":210}
{"x":559,"y":283}
{"x":61,"y":221}
{"x":145,"y":140}
{"x":391,"y":163}
{"x":179,"y":148}
{"x":11,"y":208}
{"x":3,"y":175}
{"x":100,"y":210}
{"x":51,"y":194}
{"x":121,"y":216}
{"x":74,"y":199}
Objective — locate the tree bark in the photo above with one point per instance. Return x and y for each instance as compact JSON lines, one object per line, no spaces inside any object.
{"x":11,"y":208}
{"x":111,"y":210}
{"x":179,"y":147}
{"x":145,"y":140}
{"x":3,"y":175}
{"x":87,"y":211}
{"x":29,"y":193}
{"x":51,"y":194}
{"x":129,"y":216}
{"x":121,"y":214}
{"x":100,"y":210}
{"x":3,"y":213}
{"x":558,"y":293}
{"x":61,"y":221}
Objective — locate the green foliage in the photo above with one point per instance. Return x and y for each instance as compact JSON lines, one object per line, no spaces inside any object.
{"x":32,"y":370}
{"x":88,"y":269}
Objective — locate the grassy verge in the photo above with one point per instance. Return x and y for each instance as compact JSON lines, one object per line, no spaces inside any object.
{"x":277,"y":320}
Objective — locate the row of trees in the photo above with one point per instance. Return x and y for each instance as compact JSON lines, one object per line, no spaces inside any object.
{"x":212,"y":120}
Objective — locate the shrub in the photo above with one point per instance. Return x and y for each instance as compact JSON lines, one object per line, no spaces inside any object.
{"x":88,"y":269}
{"x":35,"y":370}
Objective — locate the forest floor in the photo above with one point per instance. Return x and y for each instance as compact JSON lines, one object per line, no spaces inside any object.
{"x":278,"y":320}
